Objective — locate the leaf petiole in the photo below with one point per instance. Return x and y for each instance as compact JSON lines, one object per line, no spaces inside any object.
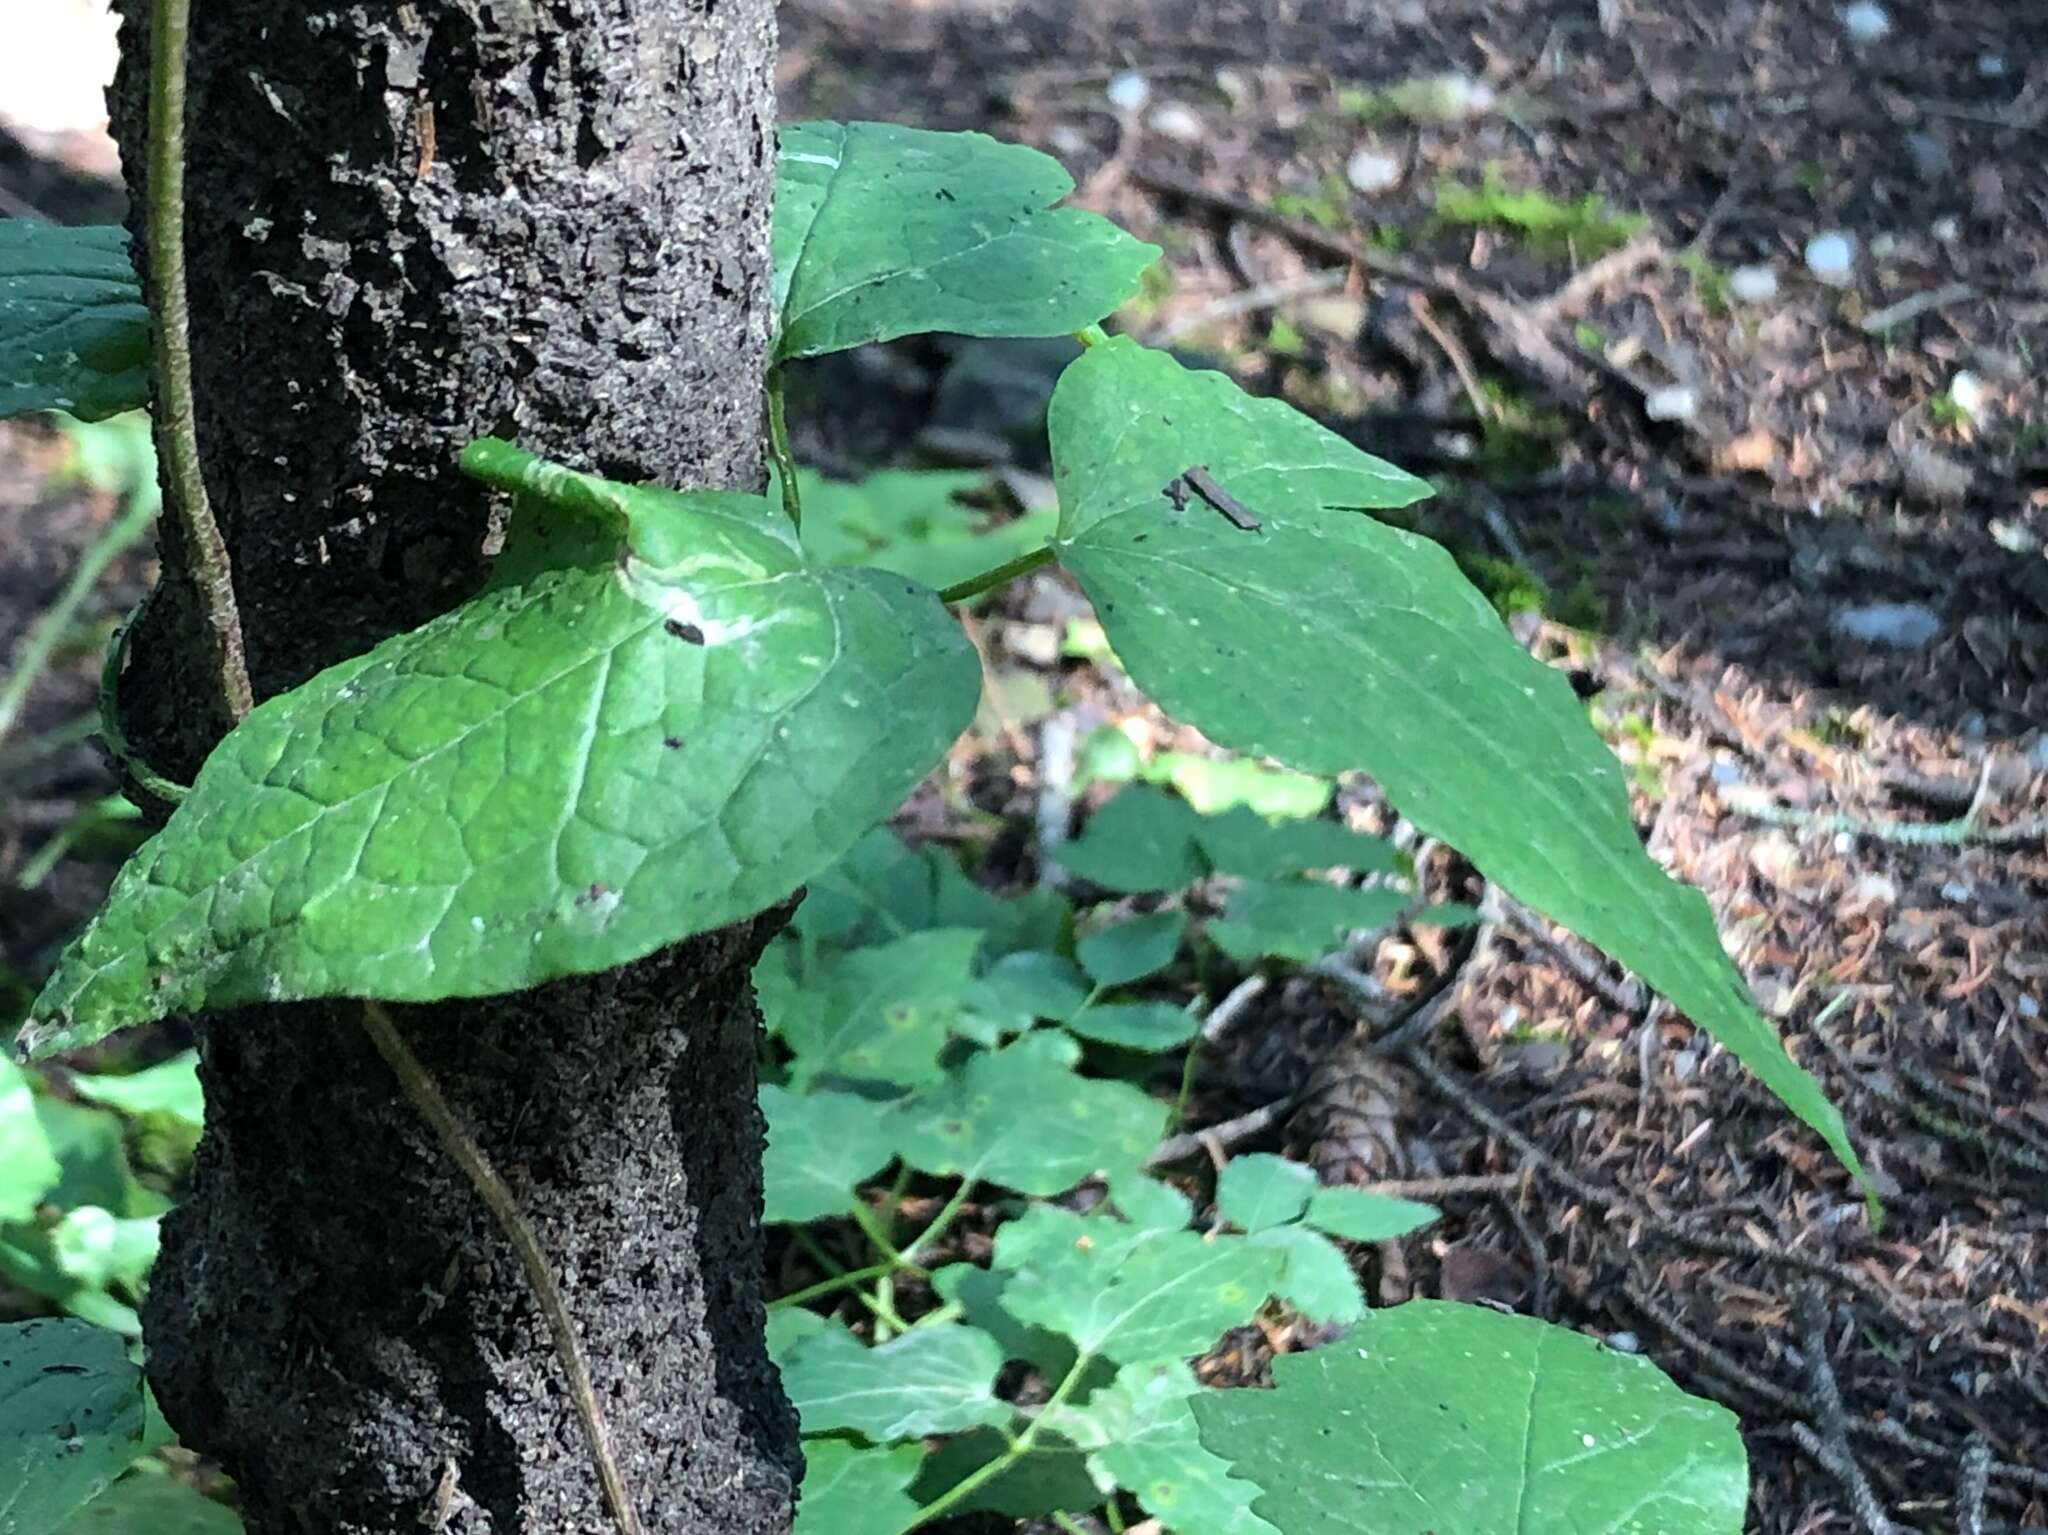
{"x":1019,"y":1447}
{"x":779,"y":449}
{"x":988,"y":580}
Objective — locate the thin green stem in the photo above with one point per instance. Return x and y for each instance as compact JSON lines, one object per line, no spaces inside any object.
{"x":425,"y":1095}
{"x":51,"y":628}
{"x":878,"y":1234}
{"x":1067,"y":1524}
{"x":1091,"y":335}
{"x":948,"y":1213}
{"x":832,"y":1286}
{"x":1009,"y":570}
{"x":778,"y":449}
{"x":1019,"y":1447}
{"x":206,"y":552}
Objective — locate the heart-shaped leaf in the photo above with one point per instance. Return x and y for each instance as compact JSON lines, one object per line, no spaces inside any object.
{"x":71,"y":1419}
{"x":883,"y":231}
{"x":74,"y":335}
{"x":1333,"y":641}
{"x":555,"y":778}
{"x":1142,"y":840}
{"x":1460,"y":1420}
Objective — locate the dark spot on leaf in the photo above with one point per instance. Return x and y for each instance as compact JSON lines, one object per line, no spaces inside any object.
{"x":944,"y":196}
{"x":689,"y":634}
{"x":673,"y":743}
{"x":596,"y":892}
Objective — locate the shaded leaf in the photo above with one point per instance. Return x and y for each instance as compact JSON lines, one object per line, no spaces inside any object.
{"x":1141,"y":1435}
{"x":552,"y":779}
{"x":912,"y":522}
{"x":70,"y":1419}
{"x":1020,"y":1117}
{"x":931,"y":1380}
{"x":1334,"y":642}
{"x":1141,"y":840}
{"x":152,"y":1503}
{"x":1319,"y":1282}
{"x":1244,"y":843}
{"x":74,"y":335}
{"x":1129,"y":951}
{"x":883,"y":231}
{"x":1023,"y":987}
{"x":1136,"y":1025}
{"x":880,"y":1014}
{"x":1301,"y":920}
{"x":1261,"y":1190}
{"x":821,"y":1147}
{"x":1052,"y":1478}
{"x":1360,"y":1216}
{"x":854,"y":1489}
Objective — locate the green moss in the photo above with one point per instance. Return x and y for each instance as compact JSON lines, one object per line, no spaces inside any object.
{"x":1329,"y":206}
{"x":1588,"y":226}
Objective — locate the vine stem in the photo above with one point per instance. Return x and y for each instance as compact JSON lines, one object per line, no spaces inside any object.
{"x":780,"y":451}
{"x":164,"y":233}
{"x":425,"y":1094}
{"x":988,"y":580}
{"x":1017,"y":1450}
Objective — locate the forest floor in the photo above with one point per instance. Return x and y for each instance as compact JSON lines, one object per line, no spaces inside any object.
{"x":1789,"y":546}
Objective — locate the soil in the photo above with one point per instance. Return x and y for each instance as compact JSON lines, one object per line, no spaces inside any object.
{"x":1811,"y":615}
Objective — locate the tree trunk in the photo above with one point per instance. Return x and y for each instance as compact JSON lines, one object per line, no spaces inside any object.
{"x":411,"y":225}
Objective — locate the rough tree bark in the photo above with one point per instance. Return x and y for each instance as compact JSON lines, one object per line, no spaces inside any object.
{"x":409,"y":225}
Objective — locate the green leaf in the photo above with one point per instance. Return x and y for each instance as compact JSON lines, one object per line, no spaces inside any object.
{"x":932,"y":1380}
{"x":1319,"y":1282}
{"x":978,"y":1292}
{"x":170,"y":1087}
{"x":1463,"y":1421}
{"x":1130,"y":951}
{"x":912,"y":522}
{"x":70,"y":1419}
{"x":1140,"y":1430}
{"x":879,"y":889}
{"x":28,"y":1168}
{"x":555,"y":778}
{"x":1023,"y":987}
{"x":1260,"y":1190}
{"x":883,"y":231}
{"x":1021,"y":1118}
{"x":149,"y":1502}
{"x":74,"y":335}
{"x":1301,"y":920}
{"x":1150,"y":1204}
{"x":820,"y":1148}
{"x":790,"y":1325}
{"x":856,"y":1490}
{"x":102,"y":1250}
{"x":1335,"y":642}
{"x":1150,"y":1026}
{"x":91,"y":1146}
{"x":1142,"y":840}
{"x":880,"y":1014}
{"x":1360,"y":1216}
{"x":1244,"y":843}
{"x":1051,"y":1478}
{"x":1170,"y":1295}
